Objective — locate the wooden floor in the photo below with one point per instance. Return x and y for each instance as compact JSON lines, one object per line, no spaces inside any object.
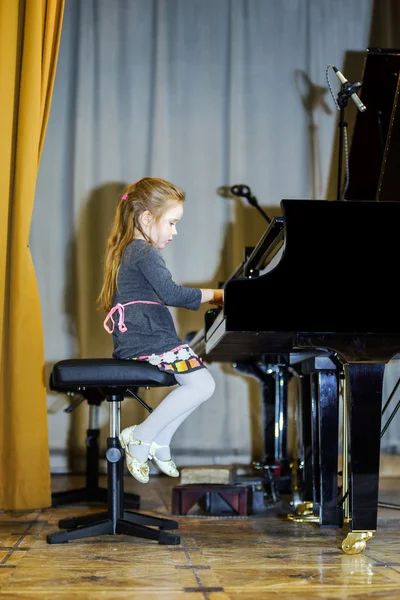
{"x":219,"y":558}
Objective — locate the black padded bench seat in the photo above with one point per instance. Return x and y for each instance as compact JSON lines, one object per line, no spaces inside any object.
{"x":107,"y":372}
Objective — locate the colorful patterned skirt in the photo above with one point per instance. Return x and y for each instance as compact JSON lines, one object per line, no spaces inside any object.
{"x":179,"y":360}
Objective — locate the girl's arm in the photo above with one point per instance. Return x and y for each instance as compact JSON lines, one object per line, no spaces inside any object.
{"x":154,"y":269}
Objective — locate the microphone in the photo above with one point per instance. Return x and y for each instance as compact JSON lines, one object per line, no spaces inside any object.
{"x":241,"y":190}
{"x":225,"y":192}
{"x":350,"y":89}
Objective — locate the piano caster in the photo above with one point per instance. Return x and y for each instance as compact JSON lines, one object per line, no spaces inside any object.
{"x":305,"y":508}
{"x":303,"y":513}
{"x":356,"y":541}
{"x":303,"y":518}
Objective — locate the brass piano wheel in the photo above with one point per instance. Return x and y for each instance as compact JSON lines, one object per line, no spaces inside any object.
{"x":305,"y":508}
{"x":305,"y":518}
{"x":356,"y":541}
{"x":303,"y":514}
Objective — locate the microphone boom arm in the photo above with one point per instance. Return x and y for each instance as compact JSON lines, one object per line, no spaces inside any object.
{"x":243,"y":191}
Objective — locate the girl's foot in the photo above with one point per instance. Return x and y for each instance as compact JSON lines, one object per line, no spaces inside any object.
{"x":167,"y":466}
{"x":135,"y":454}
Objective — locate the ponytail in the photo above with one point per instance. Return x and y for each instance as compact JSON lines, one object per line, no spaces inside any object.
{"x":150,"y":194}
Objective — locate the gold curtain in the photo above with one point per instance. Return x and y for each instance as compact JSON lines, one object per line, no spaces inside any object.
{"x":30,"y":33}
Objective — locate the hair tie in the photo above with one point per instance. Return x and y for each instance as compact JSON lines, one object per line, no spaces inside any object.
{"x":124,"y":197}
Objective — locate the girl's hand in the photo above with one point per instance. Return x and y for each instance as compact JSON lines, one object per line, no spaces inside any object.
{"x":213,"y":296}
{"x":218,"y":298}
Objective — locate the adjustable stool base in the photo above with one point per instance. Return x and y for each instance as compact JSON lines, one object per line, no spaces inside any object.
{"x":116,"y":520}
{"x":131,"y":523}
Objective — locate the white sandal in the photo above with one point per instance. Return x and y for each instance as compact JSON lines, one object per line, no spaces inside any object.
{"x":139,"y":469}
{"x":166,"y":466}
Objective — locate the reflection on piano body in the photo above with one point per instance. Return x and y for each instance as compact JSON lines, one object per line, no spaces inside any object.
{"x":321,"y":282}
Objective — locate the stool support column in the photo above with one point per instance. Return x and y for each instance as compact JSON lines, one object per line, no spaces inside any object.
{"x":92,"y":492}
{"x":115,"y":411}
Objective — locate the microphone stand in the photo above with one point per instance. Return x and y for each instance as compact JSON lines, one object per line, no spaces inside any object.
{"x":347,"y":89}
{"x":252,"y":200}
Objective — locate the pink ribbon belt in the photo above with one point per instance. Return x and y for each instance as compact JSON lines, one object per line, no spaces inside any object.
{"x":120,"y":308}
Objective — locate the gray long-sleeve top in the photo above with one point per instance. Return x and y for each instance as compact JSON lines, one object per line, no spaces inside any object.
{"x":143,"y":275}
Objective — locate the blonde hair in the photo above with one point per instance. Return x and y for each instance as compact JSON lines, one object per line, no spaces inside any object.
{"x":149,"y":193}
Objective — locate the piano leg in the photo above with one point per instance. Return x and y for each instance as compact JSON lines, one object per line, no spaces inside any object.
{"x":323,"y":414}
{"x":275,"y":417}
{"x":365,"y":383}
{"x":281,"y":420}
{"x":268,"y":418}
{"x":304,"y":419}
{"x":315,"y":438}
{"x":320,"y":423}
{"x":302,"y":472}
{"x":330,"y":515}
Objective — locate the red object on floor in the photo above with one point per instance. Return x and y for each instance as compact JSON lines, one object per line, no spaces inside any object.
{"x":186,"y":496}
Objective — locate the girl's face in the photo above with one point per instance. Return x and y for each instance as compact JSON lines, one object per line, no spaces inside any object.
{"x":162,"y":232}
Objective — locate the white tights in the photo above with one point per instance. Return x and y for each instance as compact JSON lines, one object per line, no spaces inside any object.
{"x":194,"y":388}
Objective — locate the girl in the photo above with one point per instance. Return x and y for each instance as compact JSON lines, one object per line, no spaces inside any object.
{"x":137,"y":289}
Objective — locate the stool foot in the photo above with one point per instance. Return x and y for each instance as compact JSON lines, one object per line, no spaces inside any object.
{"x":134,"y":517}
{"x":100,"y":528}
{"x":137,"y":530}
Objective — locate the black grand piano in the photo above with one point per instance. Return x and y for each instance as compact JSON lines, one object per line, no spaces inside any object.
{"x":319,"y":286}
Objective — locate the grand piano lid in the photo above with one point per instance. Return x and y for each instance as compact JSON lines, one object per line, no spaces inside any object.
{"x":374,"y":159}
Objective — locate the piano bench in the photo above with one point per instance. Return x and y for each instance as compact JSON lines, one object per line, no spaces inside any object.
{"x":113,"y":380}
{"x":214,"y":498}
